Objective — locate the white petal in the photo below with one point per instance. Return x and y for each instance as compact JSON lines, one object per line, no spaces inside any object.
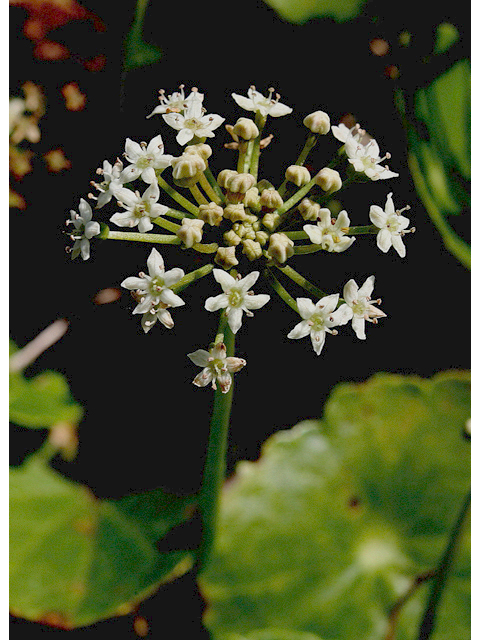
{"x":300,"y":330}
{"x":314,"y":233}
{"x":350,"y":292}
{"x":377,"y":216}
{"x":133,"y":150}
{"x":165,"y":318}
{"x":143,"y":307}
{"x":256,"y":302}
{"x":216,"y":302}
{"x":203,"y":378}
{"x":92,"y":229}
{"x":168,"y":297}
{"x":384,"y":240}
{"x":366,"y":289}
{"x":342,"y":220}
{"x":328,"y":303}
{"x":174,"y":120}
{"x":85,"y":210}
{"x":318,"y":340}
{"x":224,"y":279}
{"x":155,"y":264}
{"x":243,"y":102}
{"x":235,"y":319}
{"x":130,"y":173}
{"x":246,"y":283}
{"x":159,"y":109}
{"x":173,"y":276}
{"x":124,"y":219}
{"x":134,"y":283}
{"x":399,"y":246}
{"x":358,"y":325}
{"x":155,"y":145}
{"x":339,"y":317}
{"x":127,"y":197}
{"x":145,"y":224}
{"x":224,"y":379}
{"x":199,"y":357}
{"x":148,"y":175}
{"x":152,"y":193}
{"x":305,"y":308}
{"x":279,"y":109}
{"x":85,"y":248}
{"x":184,"y":136}
{"x":389,"y":206}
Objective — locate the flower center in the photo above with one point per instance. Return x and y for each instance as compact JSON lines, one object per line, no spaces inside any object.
{"x":141,"y":210}
{"x":235,"y":298}
{"x":144,"y":162}
{"x":192,"y":123}
{"x":156,"y":285}
{"x":359,"y":308}
{"x":317,"y":322}
{"x":393,"y":223}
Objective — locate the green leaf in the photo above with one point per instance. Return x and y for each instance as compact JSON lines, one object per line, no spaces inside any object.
{"x":42,"y":401}
{"x":137,"y":52}
{"x":76,"y":559}
{"x":303,"y":10}
{"x":333,"y":524}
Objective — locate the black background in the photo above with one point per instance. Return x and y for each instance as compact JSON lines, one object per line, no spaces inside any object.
{"x":145,"y":424}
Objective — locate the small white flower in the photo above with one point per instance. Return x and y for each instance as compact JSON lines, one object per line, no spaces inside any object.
{"x":157,"y":312}
{"x":266,"y":106}
{"x":359,"y":302}
{"x":236,"y":297}
{"x":330,"y":233}
{"x":343,"y":133}
{"x":176,"y":102}
{"x":392,"y":226}
{"x":85,"y":229}
{"x":366,"y":159}
{"x":216,"y":367}
{"x":111,"y":182}
{"x":139,"y":209}
{"x":153,"y":290}
{"x":318,"y":319}
{"x":144,"y":160}
{"x":193,"y":122}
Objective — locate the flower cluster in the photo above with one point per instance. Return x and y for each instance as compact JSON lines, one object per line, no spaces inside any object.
{"x":238,"y":218}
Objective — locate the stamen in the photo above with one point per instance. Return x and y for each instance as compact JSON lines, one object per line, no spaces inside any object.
{"x":407,"y":207}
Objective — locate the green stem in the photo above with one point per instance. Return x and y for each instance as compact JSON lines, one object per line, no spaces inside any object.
{"x":206,"y":248}
{"x":209,"y":190}
{"x":301,"y":281}
{"x":280,"y":290}
{"x":308,"y":248}
{"x":242,"y":154}
{"x":156,"y":238}
{"x":166,"y":224}
{"x":429,"y":617}
{"x":296,"y":235}
{"x":248,"y":156}
{"x":308,"y":146}
{"x":178,"y":215}
{"x":198,"y":195}
{"x":191,"y":277}
{"x":186,"y":204}
{"x":367,"y":229}
{"x":260,"y":122}
{"x":214,"y":184}
{"x":215,"y":463}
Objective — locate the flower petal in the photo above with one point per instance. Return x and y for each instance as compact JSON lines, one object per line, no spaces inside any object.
{"x":305,"y":308}
{"x":133,"y":283}
{"x":224,"y":279}
{"x":350,"y":292}
{"x":300,"y":330}
{"x":235,"y":319}
{"x":318,"y":340}
{"x":366,"y":289}
{"x":85,"y":210}
{"x":384,"y":240}
{"x":398,"y":245}
{"x":184,"y":136}
{"x":246,"y":283}
{"x":173,"y":276}
{"x":168,"y":297}
{"x":199,"y":357}
{"x":377,"y":216}
{"x":256,"y":302}
{"x":243,"y":102}
{"x":155,"y":264}
{"x":216,"y":302}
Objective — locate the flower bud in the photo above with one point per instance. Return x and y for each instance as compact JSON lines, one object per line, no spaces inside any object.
{"x":252,"y":199}
{"x":239,"y":229}
{"x":309,"y":210}
{"x":224,"y":176}
{"x":249,"y":233}
{"x":317,"y":122}
{"x":280,"y":247}
{"x":225,"y":257}
{"x":202,"y":150}
{"x":270,"y":220}
{"x":252,"y":249}
{"x":235,"y":212}
{"x":246,"y":129}
{"x":271,"y":199}
{"x":187,"y":166}
{"x":241,"y":183}
{"x":298,"y":175}
{"x":231,"y":238}
{"x":211,"y":213}
{"x":261,"y":237}
{"x":328,"y":180}
{"x":190,"y":232}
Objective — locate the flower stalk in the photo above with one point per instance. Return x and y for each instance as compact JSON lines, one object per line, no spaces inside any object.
{"x":156,"y":238}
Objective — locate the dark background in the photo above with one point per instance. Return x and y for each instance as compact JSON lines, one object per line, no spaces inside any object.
{"x":145,"y":424}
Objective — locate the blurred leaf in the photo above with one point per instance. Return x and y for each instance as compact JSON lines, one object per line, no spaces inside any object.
{"x":300,"y":11}
{"x":438,"y":127}
{"x":42,"y":401}
{"x":76,"y":559}
{"x":139,"y":53}
{"x":333,"y":524}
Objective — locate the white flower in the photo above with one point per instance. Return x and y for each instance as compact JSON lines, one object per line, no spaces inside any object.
{"x":85,"y":229}
{"x":176,"y":102}
{"x":139,"y":209}
{"x":358,"y":301}
{"x":392,"y":226}
{"x":266,"y":106}
{"x":343,"y":133}
{"x":153,"y":290}
{"x":111,"y":182}
{"x":144,"y":160}
{"x":193,"y":122}
{"x":366,"y":159}
{"x":216,"y":367}
{"x":318,"y":319}
{"x":236,"y":297}
{"x":330,"y":233}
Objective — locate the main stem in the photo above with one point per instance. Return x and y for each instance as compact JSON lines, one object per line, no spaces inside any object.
{"x":215,"y":464}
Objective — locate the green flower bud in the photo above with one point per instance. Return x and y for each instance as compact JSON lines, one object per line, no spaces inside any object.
{"x":246,"y":129}
{"x":231,"y":238}
{"x":271,"y":199}
{"x":224,"y":176}
{"x":270,"y":220}
{"x":298,"y":175}
{"x":309,"y":210}
{"x":280,"y":247}
{"x":235,"y":212}
{"x":225,"y":257}
{"x":211,"y":213}
{"x":328,"y":180}
{"x":252,"y":249}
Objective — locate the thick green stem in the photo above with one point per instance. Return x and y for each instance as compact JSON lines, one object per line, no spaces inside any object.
{"x":191,"y":277}
{"x":429,"y":617}
{"x":242,"y":154}
{"x":215,"y":463}
{"x":209,"y":190}
{"x":198,"y":195}
{"x":178,"y":215}
{"x":186,"y":204}
{"x":167,"y":224}
{"x":260,"y":122}
{"x":156,"y":238}
{"x":214,"y":184}
{"x":307,"y":248}
{"x":280,"y":290}
{"x":301,"y":281}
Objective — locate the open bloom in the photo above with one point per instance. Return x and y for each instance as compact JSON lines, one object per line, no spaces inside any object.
{"x":153,"y":289}
{"x":139,"y":209}
{"x":319,"y":319}
{"x":111,"y":182}
{"x":144,"y":160}
{"x":193,"y":122}
{"x":236,"y":297}
{"x":366,"y":159}
{"x":85,"y":229}
{"x":266,"y":106}
{"x":330,"y":233}
{"x":343,"y":133}
{"x":358,"y":301}
{"x":216,"y":367}
{"x":157,"y":312}
{"x":392,"y":226}
{"x":176,"y":102}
